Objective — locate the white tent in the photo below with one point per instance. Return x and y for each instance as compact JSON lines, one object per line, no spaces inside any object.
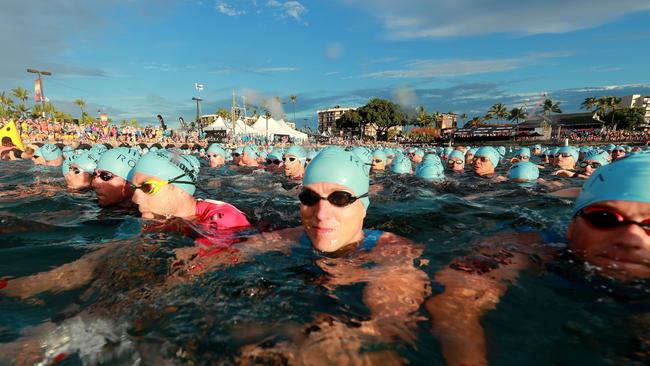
{"x":218,"y":124}
{"x":277,"y":128}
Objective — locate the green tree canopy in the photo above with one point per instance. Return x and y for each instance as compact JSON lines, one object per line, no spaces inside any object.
{"x":550,"y":106}
{"x":499,"y":111}
{"x":625,"y":118}
{"x":423,"y":118}
{"x":517,"y":114}
{"x":223,"y":113}
{"x":384,"y":114}
{"x":350,"y":120}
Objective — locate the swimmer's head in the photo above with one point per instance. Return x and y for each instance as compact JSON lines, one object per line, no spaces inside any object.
{"x":379,"y":160}
{"x":119,"y":161}
{"x":401,"y":165}
{"x":216,"y":155}
{"x":523,"y":171}
{"x":485,"y":160}
{"x":431,"y":168}
{"x":67,"y":151}
{"x":168,"y":166}
{"x":50,"y":152}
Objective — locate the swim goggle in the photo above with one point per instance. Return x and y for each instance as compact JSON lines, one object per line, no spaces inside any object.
{"x":337,"y":198}
{"x":152,"y":186}
{"x":564,"y":155}
{"x":213,"y":155}
{"x":619,"y":150}
{"x":236,"y":154}
{"x":452,"y":162}
{"x":289,"y":158}
{"x":378,"y":161}
{"x":75,"y":170}
{"x":482,"y":158}
{"x":606,"y":218}
{"x":584,"y":164}
{"x":104,"y":175}
{"x":273,"y":161}
{"x":308,"y":160}
{"x":522,"y":157}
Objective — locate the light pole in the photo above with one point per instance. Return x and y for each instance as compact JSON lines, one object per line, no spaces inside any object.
{"x":40,"y":83}
{"x":198,"y":111}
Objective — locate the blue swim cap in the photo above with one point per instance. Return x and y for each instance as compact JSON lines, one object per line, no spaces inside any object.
{"x":457,"y":154}
{"x":216,"y":149}
{"x":335,"y":165}
{"x":401,"y":165}
{"x":98,"y":149}
{"x":389,"y":152}
{"x":166,"y":165}
{"x":490,"y":153}
{"x":364,"y":155}
{"x":50,"y":152}
{"x":86,"y":161}
{"x":297,"y":151}
{"x":67,"y":151}
{"x":418,"y":152}
{"x":447,"y":150}
{"x":524,"y":151}
{"x":585,"y":150}
{"x":380,"y":154}
{"x":625,"y":180}
{"x":537,"y":146}
{"x":239,"y":150}
{"x":569,"y":150}
{"x":119,"y":161}
{"x":471,"y":151}
{"x":65,"y":167}
{"x":276,"y":153}
{"x":311,"y":154}
{"x":524,"y":170}
{"x":251,"y":151}
{"x":501,"y":150}
{"x":598,"y":156}
{"x":430,"y":168}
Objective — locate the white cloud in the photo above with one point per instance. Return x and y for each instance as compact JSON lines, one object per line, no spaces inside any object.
{"x":228,"y":10}
{"x":288,"y":9}
{"x":413,"y":19}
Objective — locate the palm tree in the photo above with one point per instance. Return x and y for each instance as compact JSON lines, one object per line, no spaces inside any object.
{"x":487,"y":117}
{"x":463,"y":116}
{"x":293,"y":99}
{"x":424,"y":119}
{"x":437,"y":119}
{"x":603,"y":106}
{"x":22,"y":109}
{"x":516,"y":114}
{"x":498,"y":110}
{"x":589,"y":104}
{"x":612,"y":103}
{"x":82,"y":105}
{"x":551,"y":107}
{"x":22,"y":94}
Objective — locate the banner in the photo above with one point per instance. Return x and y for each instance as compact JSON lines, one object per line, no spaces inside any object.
{"x":103,"y":118}
{"x":216,"y":135}
{"x":38,"y":96}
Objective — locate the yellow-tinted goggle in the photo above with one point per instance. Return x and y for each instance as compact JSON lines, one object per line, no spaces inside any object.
{"x":152,"y":186}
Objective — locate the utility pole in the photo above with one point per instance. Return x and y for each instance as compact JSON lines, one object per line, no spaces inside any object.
{"x":40,"y":82}
{"x":198,"y":111}
{"x":232,"y":111}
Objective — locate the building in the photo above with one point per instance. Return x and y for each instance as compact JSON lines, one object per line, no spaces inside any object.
{"x":545,"y":127}
{"x":637,"y":101}
{"x":327,"y":119}
{"x":370,"y":131}
{"x":448,"y":122}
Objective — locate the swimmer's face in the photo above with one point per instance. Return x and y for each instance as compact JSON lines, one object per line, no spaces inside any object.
{"x":216,"y":160}
{"x":163,"y":203}
{"x":56,"y":162}
{"x":621,"y":252}
{"x":112,"y":192}
{"x":236,"y":158}
{"x":588,"y":170}
{"x":417,"y":159}
{"x":77,"y":179}
{"x":38,"y":160}
{"x":456,"y":164}
{"x":536,"y":151}
{"x":469,"y":157}
{"x":482,"y":167}
{"x":378,"y":164}
{"x":293,"y":169}
{"x":248,"y":160}
{"x":329,"y":227}
{"x":618,"y":153}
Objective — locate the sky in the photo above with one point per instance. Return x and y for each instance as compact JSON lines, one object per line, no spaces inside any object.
{"x":140,"y":58}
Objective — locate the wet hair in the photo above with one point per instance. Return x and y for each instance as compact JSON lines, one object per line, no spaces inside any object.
{"x":6,"y":141}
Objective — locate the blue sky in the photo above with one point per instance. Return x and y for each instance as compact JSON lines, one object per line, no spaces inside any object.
{"x":138,"y":59}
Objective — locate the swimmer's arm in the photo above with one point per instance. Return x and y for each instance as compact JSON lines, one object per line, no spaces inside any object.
{"x":63,"y":278}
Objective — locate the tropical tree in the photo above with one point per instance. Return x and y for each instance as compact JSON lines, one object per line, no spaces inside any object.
{"x":551,"y":107}
{"x":350,"y":120}
{"x":612,"y":103}
{"x":487,"y":117}
{"x":293,"y":100}
{"x":22,"y":94}
{"x":384,"y":115}
{"x":423,"y":118}
{"x":6,"y":105}
{"x":22,"y":109}
{"x":223,"y":113}
{"x":589,"y":104}
{"x":499,"y":111}
{"x":82,"y":105}
{"x":437,"y":119}
{"x":474,"y":122}
{"x":516,"y":114}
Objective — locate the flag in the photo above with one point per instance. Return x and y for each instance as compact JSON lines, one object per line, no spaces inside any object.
{"x":38,"y":96}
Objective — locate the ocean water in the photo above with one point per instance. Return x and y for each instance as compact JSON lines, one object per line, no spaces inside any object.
{"x":274,"y":304}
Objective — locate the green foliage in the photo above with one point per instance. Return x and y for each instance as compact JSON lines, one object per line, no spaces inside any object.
{"x":384,"y":114}
{"x":474,"y":122}
{"x":551,"y":107}
{"x":517,"y":114}
{"x":499,"y":111}
{"x":223,"y":113}
{"x":350,"y":120}
{"x":134,"y":122}
{"x":423,"y":118}
{"x":625,"y":118}
{"x":589,"y":104}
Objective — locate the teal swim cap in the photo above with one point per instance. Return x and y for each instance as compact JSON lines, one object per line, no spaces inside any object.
{"x":431,"y":168}
{"x":67,"y":151}
{"x":239,"y":150}
{"x":119,"y":161}
{"x":418,"y":152}
{"x":537,"y":146}
{"x":335,"y":165}
{"x":524,"y":151}
{"x":50,"y":152}
{"x":401,"y":165}
{"x":311,"y":154}
{"x":524,"y":170}
{"x":490,"y":153}
{"x":569,"y":150}
{"x":65,"y":167}
{"x":457,"y":154}
{"x":275,"y":154}
{"x":625,"y":180}
{"x":365,"y":156}
{"x":98,"y":149}
{"x":165,"y":165}
{"x":380,"y":154}
{"x":153,"y":148}
{"x":86,"y":161}
{"x":299,"y":152}
{"x":251,"y":151}
{"x":598,"y":156}
{"x":501,"y":150}
{"x":471,"y":151}
{"x":216,"y":149}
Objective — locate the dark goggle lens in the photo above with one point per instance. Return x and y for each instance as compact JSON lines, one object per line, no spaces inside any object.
{"x":105,"y":176}
{"x":481,"y":158}
{"x":273,"y":161}
{"x":378,"y":161}
{"x":602,"y":218}
{"x":236,"y":155}
{"x":337,"y":198}
{"x":565,"y":155}
{"x":148,"y":188}
{"x":521,"y":157}
{"x":594,"y":165}
{"x":452,"y":162}
{"x":75,"y":170}
{"x":290,"y":159}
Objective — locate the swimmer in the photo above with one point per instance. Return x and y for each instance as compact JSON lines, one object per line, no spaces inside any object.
{"x":294,"y":162}
{"x":523,"y":171}
{"x":78,"y":170}
{"x":430,"y":169}
{"x":216,"y":156}
{"x":536,"y":149}
{"x":522,"y":154}
{"x":274,"y":161}
{"x":51,"y":154}
{"x":417,"y":156}
{"x":111,"y":174}
{"x":236,"y":155}
{"x":484,"y":162}
{"x":249,"y":157}
{"x":311,"y":154}
{"x":401,"y":165}
{"x":379,"y":160}
{"x":456,"y":162}
{"x":608,"y":233}
{"x":618,"y":153}
{"x":469,"y":155}
{"x":586,"y":167}
{"x":11,"y":154}
{"x":567,"y":157}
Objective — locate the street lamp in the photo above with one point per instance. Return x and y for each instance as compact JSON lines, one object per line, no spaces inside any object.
{"x":40,"y":82}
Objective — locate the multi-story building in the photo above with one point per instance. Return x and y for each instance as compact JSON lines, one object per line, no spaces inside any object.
{"x":327,"y":119}
{"x":637,"y":101}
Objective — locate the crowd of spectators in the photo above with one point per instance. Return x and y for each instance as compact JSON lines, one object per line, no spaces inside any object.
{"x":605,"y":135}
